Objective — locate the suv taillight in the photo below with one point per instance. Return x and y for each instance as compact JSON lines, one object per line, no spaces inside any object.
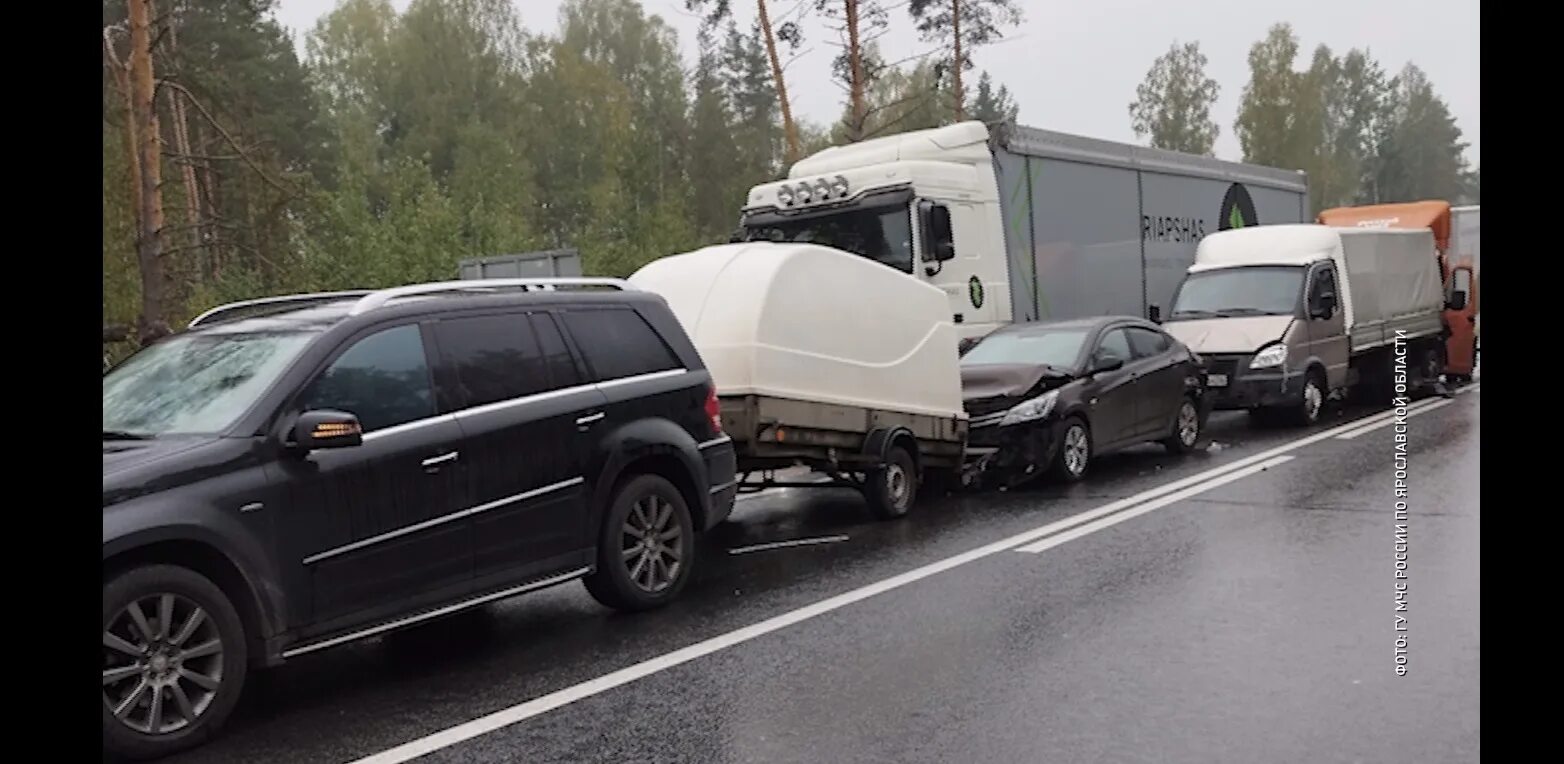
{"x":714,"y":411}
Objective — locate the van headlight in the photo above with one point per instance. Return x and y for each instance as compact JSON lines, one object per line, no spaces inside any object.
{"x":1269,"y":356}
{"x":1032,"y":410}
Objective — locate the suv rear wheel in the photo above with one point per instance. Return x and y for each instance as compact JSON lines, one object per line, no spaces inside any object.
{"x":646,"y":546}
{"x":174,"y":661}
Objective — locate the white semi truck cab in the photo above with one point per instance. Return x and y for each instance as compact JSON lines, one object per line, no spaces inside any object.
{"x":1021,"y":224}
{"x":903,"y":200}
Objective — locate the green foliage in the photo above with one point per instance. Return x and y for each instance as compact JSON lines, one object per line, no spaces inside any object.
{"x":1173,"y":105}
{"x":990,"y":104}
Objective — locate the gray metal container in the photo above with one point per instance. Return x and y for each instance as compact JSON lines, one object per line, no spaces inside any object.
{"x":559,"y":263}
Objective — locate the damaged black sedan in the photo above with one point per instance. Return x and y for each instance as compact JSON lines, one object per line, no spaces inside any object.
{"x":1047,"y":397}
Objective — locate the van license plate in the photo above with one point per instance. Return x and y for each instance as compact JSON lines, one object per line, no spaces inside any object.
{"x":1217,"y":380}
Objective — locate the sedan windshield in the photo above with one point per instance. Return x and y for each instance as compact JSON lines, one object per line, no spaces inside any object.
{"x":883,"y":234}
{"x":1248,"y":291}
{"x":1058,"y":348}
{"x":195,"y":383}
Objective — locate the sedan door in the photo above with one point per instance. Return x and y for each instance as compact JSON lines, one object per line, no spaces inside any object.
{"x":522,"y":408}
{"x":1162,"y":370}
{"x":1110,"y":395}
{"x":376,"y":529}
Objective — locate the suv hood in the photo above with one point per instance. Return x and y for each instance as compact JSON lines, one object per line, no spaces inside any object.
{"x":1239,"y":334}
{"x":122,"y":455}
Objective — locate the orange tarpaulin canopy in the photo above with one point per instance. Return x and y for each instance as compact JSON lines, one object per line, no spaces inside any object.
{"x":1410,"y":215}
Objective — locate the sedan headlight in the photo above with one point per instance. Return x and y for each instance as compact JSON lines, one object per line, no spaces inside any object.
{"x":1032,"y":410}
{"x":1270,"y":355}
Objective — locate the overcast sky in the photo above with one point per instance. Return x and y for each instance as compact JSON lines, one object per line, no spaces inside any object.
{"x":1073,"y":66}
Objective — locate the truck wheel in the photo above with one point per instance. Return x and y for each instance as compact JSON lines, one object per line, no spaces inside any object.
{"x":1308,"y":410}
{"x":646,"y":546}
{"x":892,"y":488}
{"x":174,"y":661}
{"x":1075,"y":451}
{"x":1186,"y":429}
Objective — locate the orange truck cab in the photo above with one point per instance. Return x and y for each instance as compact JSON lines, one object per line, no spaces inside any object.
{"x":1458,"y":272}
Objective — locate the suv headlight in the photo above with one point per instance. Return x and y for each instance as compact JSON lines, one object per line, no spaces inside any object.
{"x":1032,"y":410}
{"x":1270,"y":355}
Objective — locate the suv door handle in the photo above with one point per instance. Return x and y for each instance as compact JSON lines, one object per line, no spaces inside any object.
{"x":432,"y":464}
{"x":589,"y":419}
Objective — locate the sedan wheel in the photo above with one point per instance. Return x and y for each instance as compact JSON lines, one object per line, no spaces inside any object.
{"x":1186,"y":429}
{"x":1075,"y":451}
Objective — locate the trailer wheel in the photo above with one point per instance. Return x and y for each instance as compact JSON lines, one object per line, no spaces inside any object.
{"x":893,"y":487}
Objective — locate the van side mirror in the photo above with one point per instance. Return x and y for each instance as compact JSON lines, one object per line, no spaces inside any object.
{"x":1458,"y":300}
{"x":1324,"y":305}
{"x":327,"y":429}
{"x":939,"y":242}
{"x":1154,"y":314}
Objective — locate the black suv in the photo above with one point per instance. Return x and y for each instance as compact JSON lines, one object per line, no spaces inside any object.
{"x":298,"y":472}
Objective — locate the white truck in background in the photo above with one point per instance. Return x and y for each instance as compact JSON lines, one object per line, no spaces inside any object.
{"x":1286,"y":316}
{"x":1021,"y":224}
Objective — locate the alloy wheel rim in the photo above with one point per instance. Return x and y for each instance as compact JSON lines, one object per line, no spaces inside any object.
{"x":1075,"y":450}
{"x":162,"y":663}
{"x":1188,"y":424}
{"x":651,"y":548}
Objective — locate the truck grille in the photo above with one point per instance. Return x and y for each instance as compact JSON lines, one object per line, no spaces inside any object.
{"x":1226,"y":364}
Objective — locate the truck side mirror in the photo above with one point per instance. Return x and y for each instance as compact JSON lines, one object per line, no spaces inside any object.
{"x":1458,"y":300}
{"x":939,"y":243}
{"x":1154,"y":314}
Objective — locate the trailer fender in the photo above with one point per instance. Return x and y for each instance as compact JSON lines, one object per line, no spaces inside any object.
{"x":880,"y":440}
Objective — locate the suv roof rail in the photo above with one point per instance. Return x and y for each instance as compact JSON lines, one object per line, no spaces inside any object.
{"x":206,"y":318}
{"x":378,"y":298}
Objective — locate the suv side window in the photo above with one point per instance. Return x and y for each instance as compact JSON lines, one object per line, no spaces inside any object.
{"x":1146,"y":342}
{"x":382,"y":379}
{"x":1113,"y":344}
{"x":618,"y":343}
{"x":493,"y":358}
{"x":562,"y":370}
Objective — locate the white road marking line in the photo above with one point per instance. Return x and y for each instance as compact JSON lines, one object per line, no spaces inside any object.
{"x":1155,"y":504}
{"x":783,"y":544}
{"x":543,"y":704}
{"x":1411,"y":412}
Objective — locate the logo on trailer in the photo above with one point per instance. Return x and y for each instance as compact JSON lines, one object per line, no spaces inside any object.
{"x":975,"y":291}
{"x":1237,"y":209}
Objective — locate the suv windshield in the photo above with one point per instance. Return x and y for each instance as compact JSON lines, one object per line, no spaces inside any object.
{"x":883,"y":234}
{"x":1247,"y":291}
{"x":195,"y":383}
{"x":1059,"y":348}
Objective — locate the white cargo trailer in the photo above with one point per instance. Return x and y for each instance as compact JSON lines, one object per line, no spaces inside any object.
{"x":1022,"y":224}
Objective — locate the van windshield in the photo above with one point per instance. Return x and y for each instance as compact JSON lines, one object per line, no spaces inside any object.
{"x":882,"y":234}
{"x":194,"y":383}
{"x":1246,"y":291}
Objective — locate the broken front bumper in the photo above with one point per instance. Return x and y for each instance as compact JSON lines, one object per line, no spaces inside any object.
{"x":1014,"y":452}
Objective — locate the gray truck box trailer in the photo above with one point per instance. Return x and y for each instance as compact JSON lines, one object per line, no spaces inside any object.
{"x":1094,"y":227}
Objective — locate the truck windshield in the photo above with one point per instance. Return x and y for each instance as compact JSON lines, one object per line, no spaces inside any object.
{"x":1247,"y":291}
{"x":881,"y":234}
{"x":1057,"y":348}
{"x":195,"y":383}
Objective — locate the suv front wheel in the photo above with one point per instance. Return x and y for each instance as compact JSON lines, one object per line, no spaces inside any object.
{"x":174,"y":661}
{"x":646,"y":547}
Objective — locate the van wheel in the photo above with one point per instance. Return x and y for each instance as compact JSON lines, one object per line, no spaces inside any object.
{"x":174,"y":661}
{"x":1308,"y":410}
{"x":1075,"y":451}
{"x":1186,"y":429}
{"x":646,"y":546}
{"x":892,"y":488}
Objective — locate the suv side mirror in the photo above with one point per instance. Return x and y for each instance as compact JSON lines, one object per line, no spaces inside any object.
{"x":939,"y":242}
{"x":327,"y":429}
{"x":1458,"y":300}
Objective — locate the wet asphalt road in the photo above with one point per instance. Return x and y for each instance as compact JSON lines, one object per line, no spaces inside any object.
{"x":1250,"y":622}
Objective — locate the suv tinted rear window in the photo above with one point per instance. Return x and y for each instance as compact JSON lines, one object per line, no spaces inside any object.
{"x":618,"y":343}
{"x":493,"y":358}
